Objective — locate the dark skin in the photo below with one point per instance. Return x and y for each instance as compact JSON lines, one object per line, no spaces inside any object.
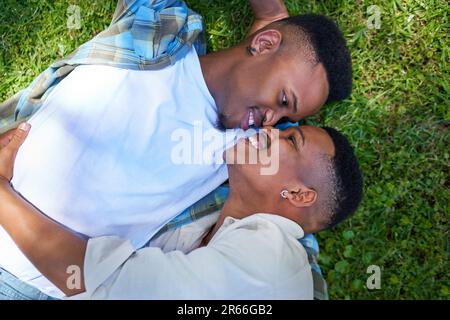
{"x":275,"y":85}
{"x":52,"y":248}
{"x":265,"y":12}
{"x":238,"y":81}
{"x":273,"y":82}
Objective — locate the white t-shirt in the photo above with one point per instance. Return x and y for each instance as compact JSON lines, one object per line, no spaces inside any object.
{"x":99,"y":158}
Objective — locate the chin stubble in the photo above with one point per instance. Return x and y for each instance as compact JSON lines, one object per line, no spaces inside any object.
{"x":221,"y":120}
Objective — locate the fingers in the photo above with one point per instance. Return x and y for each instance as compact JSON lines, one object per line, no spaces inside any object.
{"x":6,"y":137}
{"x":19,"y":136}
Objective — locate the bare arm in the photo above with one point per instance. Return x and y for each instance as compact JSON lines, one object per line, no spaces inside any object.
{"x":267,"y":11}
{"x":48,"y":245}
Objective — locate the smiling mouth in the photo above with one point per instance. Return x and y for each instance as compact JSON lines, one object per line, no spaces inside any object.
{"x":261,"y":140}
{"x":252,"y":119}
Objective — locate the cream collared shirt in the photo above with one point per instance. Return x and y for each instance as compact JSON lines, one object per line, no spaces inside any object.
{"x":258,"y":257}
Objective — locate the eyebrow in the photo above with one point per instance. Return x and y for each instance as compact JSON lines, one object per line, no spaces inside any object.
{"x":295,"y":103}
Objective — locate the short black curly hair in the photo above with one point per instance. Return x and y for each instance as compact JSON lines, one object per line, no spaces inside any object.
{"x":346,"y":181}
{"x":329,"y":46}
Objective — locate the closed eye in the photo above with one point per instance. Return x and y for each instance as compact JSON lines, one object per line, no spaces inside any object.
{"x":293,"y":141}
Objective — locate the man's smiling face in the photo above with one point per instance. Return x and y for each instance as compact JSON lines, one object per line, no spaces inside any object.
{"x":271,"y":87}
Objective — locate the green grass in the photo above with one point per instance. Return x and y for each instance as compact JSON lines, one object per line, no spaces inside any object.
{"x":397,"y":117}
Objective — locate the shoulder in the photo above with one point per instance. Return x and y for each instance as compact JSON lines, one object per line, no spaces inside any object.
{"x":264,"y":250}
{"x":264,"y":239}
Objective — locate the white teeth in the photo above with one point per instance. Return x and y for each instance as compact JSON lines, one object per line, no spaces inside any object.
{"x":254,"y":141}
{"x":251,"y":119}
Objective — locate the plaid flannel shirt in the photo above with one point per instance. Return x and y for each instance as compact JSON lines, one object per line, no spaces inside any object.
{"x":143,"y":35}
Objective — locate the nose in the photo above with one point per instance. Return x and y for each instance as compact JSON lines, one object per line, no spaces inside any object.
{"x":270,"y":117}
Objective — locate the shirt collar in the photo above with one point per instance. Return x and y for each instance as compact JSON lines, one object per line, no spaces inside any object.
{"x":287,"y":225}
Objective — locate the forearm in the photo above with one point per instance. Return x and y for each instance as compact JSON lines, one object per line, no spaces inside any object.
{"x":48,"y":245}
{"x":267,"y":11}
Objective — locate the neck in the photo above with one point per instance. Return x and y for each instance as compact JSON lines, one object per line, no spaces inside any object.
{"x":216,"y":67}
{"x":235,"y":207}
{"x":239,"y":206}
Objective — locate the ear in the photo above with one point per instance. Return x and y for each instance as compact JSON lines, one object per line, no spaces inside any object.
{"x":303,"y":197}
{"x":266,"y":41}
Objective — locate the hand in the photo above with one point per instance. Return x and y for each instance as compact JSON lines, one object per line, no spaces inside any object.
{"x":266,"y":12}
{"x":10,"y":143}
{"x":261,"y":23}
{"x":29,"y":228}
